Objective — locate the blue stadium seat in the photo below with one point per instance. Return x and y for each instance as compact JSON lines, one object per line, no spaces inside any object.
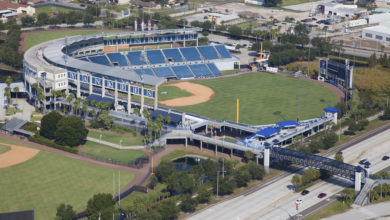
{"x":146,"y":71}
{"x":208,"y":52}
{"x":85,"y":59}
{"x":135,"y":58}
{"x":117,"y":58}
{"x":165,"y":72}
{"x":155,"y":56}
{"x":100,"y":60}
{"x":200,"y":70}
{"x":190,"y":53}
{"x":182,"y":72}
{"x":214,"y":69}
{"x":223,"y":51}
{"x":173,"y":54}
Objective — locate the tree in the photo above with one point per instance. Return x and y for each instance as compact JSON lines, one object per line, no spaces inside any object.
{"x":225,"y":186}
{"x":249,"y":155}
{"x":71,"y":18}
{"x":136,"y":111}
{"x":301,"y":29}
{"x":70,"y":131}
{"x":8,"y":81}
{"x":330,"y":140}
{"x":188,"y":204}
{"x":69,"y":100}
{"x":55,"y":93}
{"x":102,"y":205}
{"x":372,"y":61}
{"x":167,"y":119}
{"x":65,"y":212}
{"x":256,"y":171}
{"x":348,"y":194}
{"x":88,"y":19}
{"x":235,"y":30}
{"x":310,"y":174}
{"x":93,"y":113}
{"x":164,"y":170}
{"x":105,"y":119}
{"x":204,"y":194}
{"x":296,"y":180}
{"x":168,"y":209}
{"x":27,"y":21}
{"x":49,"y":124}
{"x":85,"y":108}
{"x":7,"y":94}
{"x":153,"y":181}
{"x":339,"y":157}
{"x":16,"y":90}
{"x":242,"y":177}
{"x":386,"y":114}
{"x":146,"y":114}
{"x":42,"y":19}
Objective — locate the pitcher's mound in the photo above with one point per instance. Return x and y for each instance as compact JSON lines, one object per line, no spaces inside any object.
{"x":200,"y":94}
{"x":16,"y":155}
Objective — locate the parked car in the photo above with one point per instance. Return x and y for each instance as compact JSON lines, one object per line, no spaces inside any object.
{"x":362,"y":161}
{"x":366,"y":166}
{"x":305,"y":192}
{"x":385,"y":157}
{"x":321,"y":195}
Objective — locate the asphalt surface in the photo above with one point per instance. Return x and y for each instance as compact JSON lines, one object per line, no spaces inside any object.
{"x":276,"y":200}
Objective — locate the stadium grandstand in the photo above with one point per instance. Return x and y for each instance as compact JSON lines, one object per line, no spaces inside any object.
{"x":118,"y":66}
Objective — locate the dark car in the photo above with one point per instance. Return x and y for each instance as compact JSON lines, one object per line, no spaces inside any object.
{"x":305,"y":192}
{"x":314,"y":19}
{"x":366,"y":166}
{"x":340,"y":152}
{"x":385,"y":157}
{"x":321,"y":195}
{"x":362,"y":161}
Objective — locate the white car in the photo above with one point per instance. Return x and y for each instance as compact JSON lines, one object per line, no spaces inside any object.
{"x":299,"y":201}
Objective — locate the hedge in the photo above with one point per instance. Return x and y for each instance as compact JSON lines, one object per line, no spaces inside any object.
{"x":49,"y":143}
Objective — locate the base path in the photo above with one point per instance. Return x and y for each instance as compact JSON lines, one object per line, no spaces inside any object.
{"x":200,"y":94}
{"x":16,"y":155}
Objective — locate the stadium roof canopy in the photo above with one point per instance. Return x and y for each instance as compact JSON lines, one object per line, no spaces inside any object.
{"x":287,"y":124}
{"x":331,"y":110}
{"x":267,"y":132}
{"x":53,"y":53}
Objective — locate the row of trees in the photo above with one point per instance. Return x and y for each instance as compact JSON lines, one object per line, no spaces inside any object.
{"x":9,"y":49}
{"x":383,"y":60}
{"x":323,"y":140}
{"x":308,"y":176}
{"x":66,"y":131}
{"x":72,"y":17}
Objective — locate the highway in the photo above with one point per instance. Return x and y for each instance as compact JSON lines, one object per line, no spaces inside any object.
{"x":277,"y":200}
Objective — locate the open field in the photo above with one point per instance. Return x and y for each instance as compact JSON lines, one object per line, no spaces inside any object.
{"x":127,"y":139}
{"x":48,"y":179}
{"x":36,"y":38}
{"x":109,"y":153}
{"x":4,"y":148}
{"x":262,"y":97}
{"x":332,"y":209}
{"x":48,"y":9}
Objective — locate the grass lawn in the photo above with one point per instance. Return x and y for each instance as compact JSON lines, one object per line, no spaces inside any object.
{"x":262,"y":96}
{"x":4,"y":148}
{"x":332,"y":209}
{"x":293,"y":2}
{"x":48,"y":179}
{"x":109,"y":153}
{"x":151,"y":196}
{"x":127,"y":139}
{"x":47,"y":9}
{"x":36,"y":38}
{"x":173,"y":92}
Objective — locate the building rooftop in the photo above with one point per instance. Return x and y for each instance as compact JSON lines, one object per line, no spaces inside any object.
{"x":9,"y":5}
{"x":382,"y":28}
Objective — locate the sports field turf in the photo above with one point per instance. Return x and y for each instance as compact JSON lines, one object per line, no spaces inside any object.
{"x":48,"y":179}
{"x":264,"y":99}
{"x":36,"y":38}
{"x":127,"y":139}
{"x":109,"y":153}
{"x":172,"y":92}
{"x":4,"y":148}
{"x":48,"y":9}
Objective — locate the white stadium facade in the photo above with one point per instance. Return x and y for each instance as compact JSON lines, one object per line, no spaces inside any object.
{"x":117,"y":66}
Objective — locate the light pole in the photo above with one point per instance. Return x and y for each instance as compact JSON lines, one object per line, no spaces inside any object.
{"x":100,"y":138}
{"x":120,"y":144}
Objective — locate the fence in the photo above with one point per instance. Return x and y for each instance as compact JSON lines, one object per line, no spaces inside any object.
{"x":137,"y":163}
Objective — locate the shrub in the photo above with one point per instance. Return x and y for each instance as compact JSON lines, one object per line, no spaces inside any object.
{"x":42,"y":140}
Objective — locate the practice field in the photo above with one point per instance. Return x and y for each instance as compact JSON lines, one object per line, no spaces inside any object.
{"x":48,"y":179}
{"x":42,"y":36}
{"x":101,"y":151}
{"x":171,"y":93}
{"x":264,"y":99}
{"x":48,"y":9}
{"x":127,"y":139}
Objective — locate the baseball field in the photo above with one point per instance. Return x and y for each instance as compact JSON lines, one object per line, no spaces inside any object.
{"x":48,"y":179}
{"x":264,"y":98}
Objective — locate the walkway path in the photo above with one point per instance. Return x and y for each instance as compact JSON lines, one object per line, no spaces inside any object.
{"x":366,"y":212}
{"x":113,"y":145}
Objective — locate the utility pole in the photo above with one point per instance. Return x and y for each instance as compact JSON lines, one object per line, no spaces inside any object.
{"x":223,"y":168}
{"x":217,"y":179}
{"x":119,"y":188}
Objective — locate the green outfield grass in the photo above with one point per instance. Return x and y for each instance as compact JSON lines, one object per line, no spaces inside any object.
{"x":48,"y":179}
{"x":264,"y":99}
{"x":4,"y":148}
{"x":173,"y":92}
{"x":36,"y":38}
{"x":127,"y":139}
{"x":108,"y":153}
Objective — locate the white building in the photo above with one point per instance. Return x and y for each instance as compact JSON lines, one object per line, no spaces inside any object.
{"x":331,"y":8}
{"x":254,"y":2}
{"x":378,"y":18}
{"x":379,"y":33}
{"x":10,"y":9}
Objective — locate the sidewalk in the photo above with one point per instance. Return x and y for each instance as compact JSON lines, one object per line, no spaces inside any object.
{"x":114,"y":145}
{"x":380,"y":210}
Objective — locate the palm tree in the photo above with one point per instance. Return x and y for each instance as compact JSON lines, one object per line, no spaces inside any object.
{"x":93,"y":113}
{"x":167,"y":119}
{"x":93,"y":103}
{"x":76,"y":105}
{"x":8,"y":81}
{"x":159,"y":123}
{"x":136,"y":111}
{"x":7,"y":94}
{"x":16,"y":90}
{"x":69,"y":99}
{"x":85,"y":108}
{"x":54,"y":93}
